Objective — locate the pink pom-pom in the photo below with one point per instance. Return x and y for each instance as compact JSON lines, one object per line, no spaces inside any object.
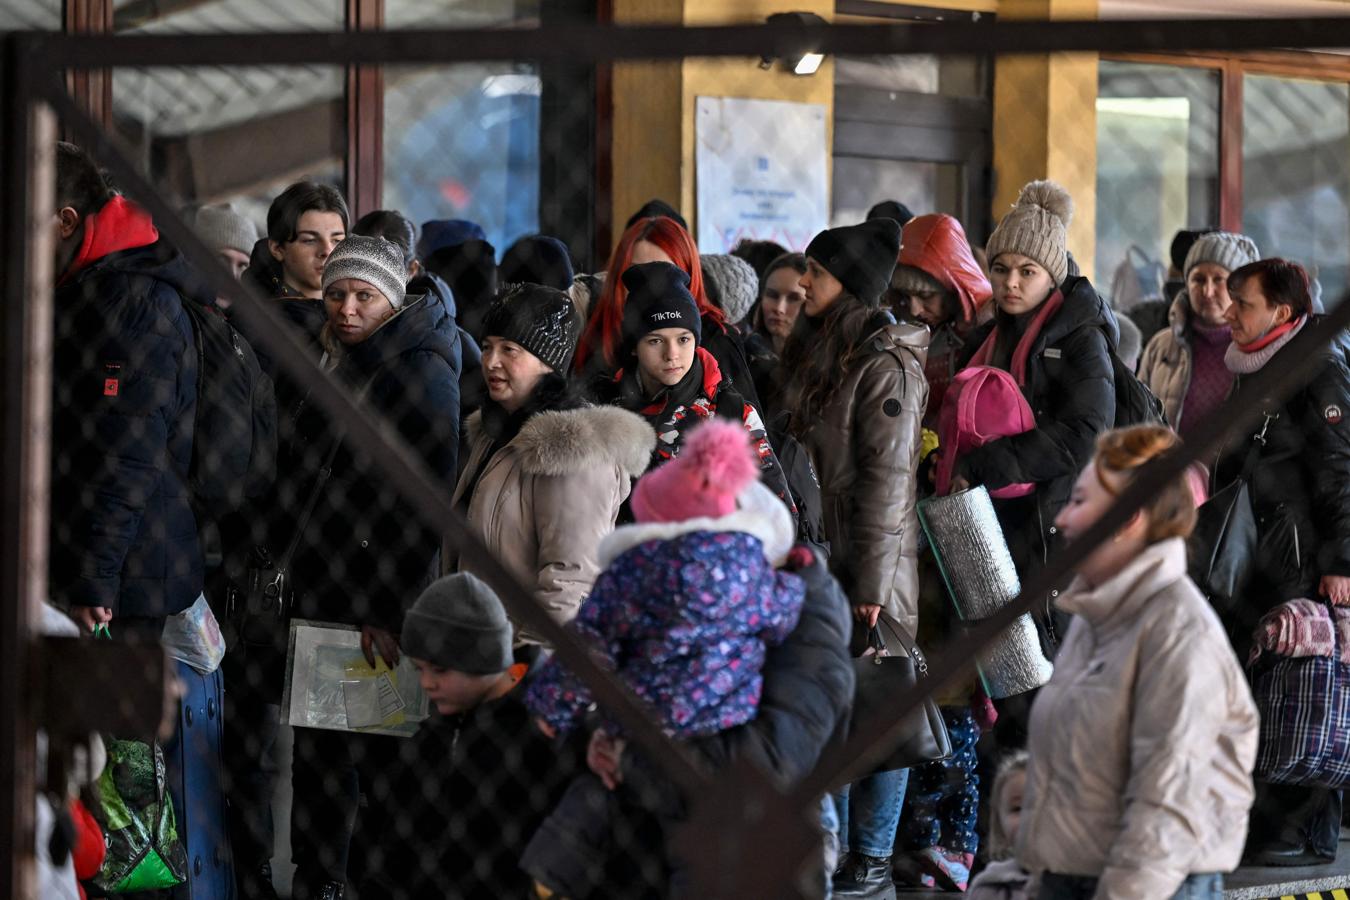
{"x":720,"y":451}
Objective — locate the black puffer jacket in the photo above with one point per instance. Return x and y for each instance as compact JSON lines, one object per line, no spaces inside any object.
{"x":1300,"y":489}
{"x":1071,"y":390}
{"x":365,"y":554}
{"x":472,"y":386}
{"x":123,"y":534}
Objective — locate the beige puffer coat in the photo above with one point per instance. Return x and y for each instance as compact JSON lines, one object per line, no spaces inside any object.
{"x":1165,"y":367}
{"x":1143,"y":742}
{"x":544,"y":501}
{"x":865,"y":450}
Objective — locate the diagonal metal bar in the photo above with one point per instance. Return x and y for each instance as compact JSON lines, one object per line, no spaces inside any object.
{"x":592,"y":43}
{"x":1233,"y":420}
{"x":368,"y":432}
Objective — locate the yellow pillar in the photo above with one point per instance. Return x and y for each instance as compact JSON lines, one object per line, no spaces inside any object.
{"x":1045,"y":123}
{"x":654,"y":103}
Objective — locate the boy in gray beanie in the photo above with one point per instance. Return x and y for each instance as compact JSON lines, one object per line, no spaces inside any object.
{"x":477,"y":780}
{"x":458,"y":636}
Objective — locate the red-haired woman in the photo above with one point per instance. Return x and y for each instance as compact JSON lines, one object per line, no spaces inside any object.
{"x":660,"y":239}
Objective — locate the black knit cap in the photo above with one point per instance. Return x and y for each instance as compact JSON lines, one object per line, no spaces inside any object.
{"x":658,"y":297}
{"x":538,"y":259}
{"x":891,"y":209}
{"x":540,"y":319}
{"x":657,"y":209}
{"x":862,"y":256}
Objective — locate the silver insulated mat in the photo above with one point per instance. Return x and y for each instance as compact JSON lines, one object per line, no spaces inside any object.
{"x":978,"y":569}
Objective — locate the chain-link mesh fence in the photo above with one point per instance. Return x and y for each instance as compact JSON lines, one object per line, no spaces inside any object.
{"x":458,"y":384}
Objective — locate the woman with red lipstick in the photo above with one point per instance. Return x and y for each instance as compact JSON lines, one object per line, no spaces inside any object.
{"x":1300,"y":492}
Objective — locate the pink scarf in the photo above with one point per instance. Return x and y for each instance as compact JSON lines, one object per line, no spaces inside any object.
{"x":1300,"y":628}
{"x":1047,"y":311}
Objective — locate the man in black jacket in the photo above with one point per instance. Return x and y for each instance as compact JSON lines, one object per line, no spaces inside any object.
{"x":123,"y":536}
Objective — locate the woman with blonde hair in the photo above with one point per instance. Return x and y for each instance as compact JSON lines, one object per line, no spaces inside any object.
{"x":1143,"y":742}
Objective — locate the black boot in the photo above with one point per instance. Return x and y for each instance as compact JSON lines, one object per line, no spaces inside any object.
{"x":860,"y":876}
{"x":331,"y":890}
{"x":256,"y":884}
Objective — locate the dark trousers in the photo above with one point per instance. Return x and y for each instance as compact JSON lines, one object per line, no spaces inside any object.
{"x":1309,"y":817}
{"x":251,"y":727}
{"x":332,"y":773}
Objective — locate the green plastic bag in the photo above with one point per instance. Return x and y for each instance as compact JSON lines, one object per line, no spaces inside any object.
{"x":136,"y":814}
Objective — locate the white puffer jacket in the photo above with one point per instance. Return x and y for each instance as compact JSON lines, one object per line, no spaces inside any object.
{"x":1143,"y":742}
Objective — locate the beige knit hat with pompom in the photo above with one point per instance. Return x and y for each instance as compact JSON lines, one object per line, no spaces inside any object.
{"x":1037,"y":228}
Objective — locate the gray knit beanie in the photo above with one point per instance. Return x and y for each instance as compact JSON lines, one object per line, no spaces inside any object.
{"x":1037,"y":228}
{"x":222,"y":228}
{"x":1226,"y":249}
{"x":737,"y":284}
{"x":370,"y":259}
{"x":459,"y":624}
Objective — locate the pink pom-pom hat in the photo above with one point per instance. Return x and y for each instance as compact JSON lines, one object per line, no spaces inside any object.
{"x":715,"y":465}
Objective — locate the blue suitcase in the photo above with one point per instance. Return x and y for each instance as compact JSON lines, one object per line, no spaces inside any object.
{"x":195,"y":765}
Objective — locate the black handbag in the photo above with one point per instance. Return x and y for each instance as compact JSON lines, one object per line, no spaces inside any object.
{"x":894,"y":668}
{"x":1225,"y":542}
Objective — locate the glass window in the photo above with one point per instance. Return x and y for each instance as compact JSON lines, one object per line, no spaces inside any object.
{"x":952,"y":76}
{"x":462,"y":141}
{"x":859,"y":183}
{"x":30,"y":15}
{"x":1296,"y":173}
{"x":1157,"y":162}
{"x":235,"y":134}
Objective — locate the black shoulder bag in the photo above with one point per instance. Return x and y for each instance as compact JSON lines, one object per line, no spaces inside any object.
{"x":1225,"y":541}
{"x":883,"y":676}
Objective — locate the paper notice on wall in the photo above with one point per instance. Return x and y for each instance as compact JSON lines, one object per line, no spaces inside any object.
{"x":761,"y":172}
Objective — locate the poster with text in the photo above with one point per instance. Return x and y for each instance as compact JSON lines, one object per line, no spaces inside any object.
{"x":761,"y":172}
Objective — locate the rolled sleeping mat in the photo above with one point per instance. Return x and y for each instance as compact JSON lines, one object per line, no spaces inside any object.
{"x":973,"y":556}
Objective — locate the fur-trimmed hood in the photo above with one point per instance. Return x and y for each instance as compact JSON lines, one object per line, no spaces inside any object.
{"x":558,"y":442}
{"x":762,"y":515}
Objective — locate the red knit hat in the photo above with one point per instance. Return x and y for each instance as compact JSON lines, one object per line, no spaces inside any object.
{"x":716,"y":464}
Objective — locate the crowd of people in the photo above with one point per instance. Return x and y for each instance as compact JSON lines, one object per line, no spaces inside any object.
{"x":709,"y":469}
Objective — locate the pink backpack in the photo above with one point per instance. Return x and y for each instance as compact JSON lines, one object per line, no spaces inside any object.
{"x":982,"y":404}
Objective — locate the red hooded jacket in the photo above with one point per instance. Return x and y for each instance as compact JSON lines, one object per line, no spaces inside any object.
{"x":937,"y":244}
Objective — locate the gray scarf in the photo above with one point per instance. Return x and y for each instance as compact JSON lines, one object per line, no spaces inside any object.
{"x":1240,"y":363}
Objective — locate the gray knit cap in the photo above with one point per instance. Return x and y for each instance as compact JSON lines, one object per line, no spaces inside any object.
{"x":737,"y":283}
{"x":222,"y":228}
{"x":1226,"y":249}
{"x":1037,"y":228}
{"x":459,"y":624}
{"x":370,"y":259}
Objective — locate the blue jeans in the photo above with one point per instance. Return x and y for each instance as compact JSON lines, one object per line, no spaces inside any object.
{"x":869,"y":813}
{"x":1082,"y":887}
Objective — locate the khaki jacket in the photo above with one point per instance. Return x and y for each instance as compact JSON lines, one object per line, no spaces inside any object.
{"x":546,"y":499}
{"x":1165,"y":367}
{"x":865,"y":450}
{"x":1143,"y":742}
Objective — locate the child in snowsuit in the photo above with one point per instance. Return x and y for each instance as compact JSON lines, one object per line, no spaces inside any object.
{"x":688,"y":604}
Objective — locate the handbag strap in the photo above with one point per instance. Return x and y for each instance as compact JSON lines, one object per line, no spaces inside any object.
{"x":878,"y":641}
{"x":1254,"y":451}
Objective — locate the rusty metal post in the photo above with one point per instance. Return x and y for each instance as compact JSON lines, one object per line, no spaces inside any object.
{"x":26,"y":159}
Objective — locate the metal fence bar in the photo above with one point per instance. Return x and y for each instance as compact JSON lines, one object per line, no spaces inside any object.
{"x":403,"y":469}
{"x":25,"y":346}
{"x":592,"y":43}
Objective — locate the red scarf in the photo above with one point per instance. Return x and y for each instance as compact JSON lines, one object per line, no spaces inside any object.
{"x":1271,"y":337}
{"x":985,"y":354}
{"x":119,"y":225}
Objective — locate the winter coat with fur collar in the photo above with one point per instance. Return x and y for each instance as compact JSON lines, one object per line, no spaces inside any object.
{"x":685,"y":612}
{"x":543,"y":501}
{"x":1143,"y":742}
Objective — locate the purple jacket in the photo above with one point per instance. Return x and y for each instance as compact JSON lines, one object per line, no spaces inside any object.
{"x":684,"y":613}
